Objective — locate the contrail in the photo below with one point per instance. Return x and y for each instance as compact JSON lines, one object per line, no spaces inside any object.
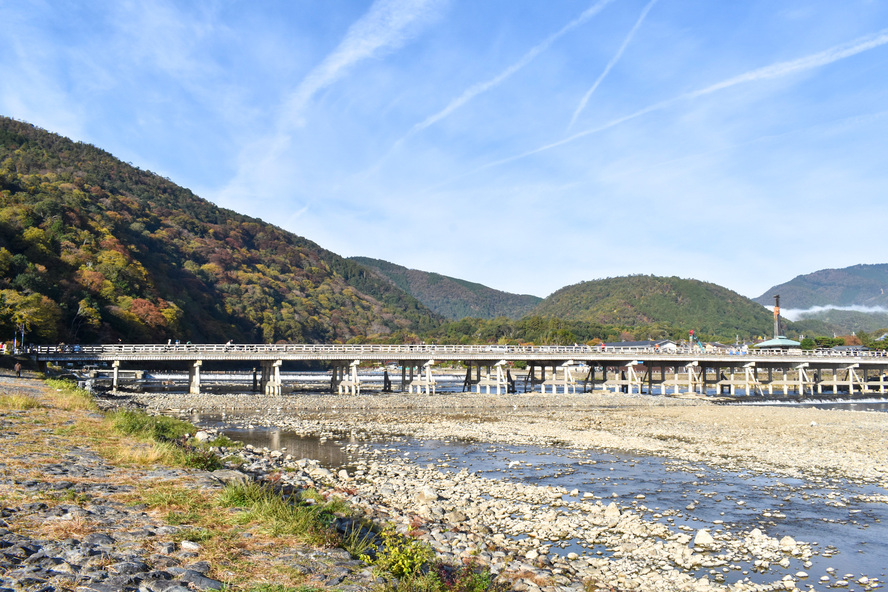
{"x":612,"y":62}
{"x":778,"y":70}
{"x":387,"y":25}
{"x":481,"y":87}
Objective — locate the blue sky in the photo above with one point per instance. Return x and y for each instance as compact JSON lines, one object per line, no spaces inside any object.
{"x":525,"y":145}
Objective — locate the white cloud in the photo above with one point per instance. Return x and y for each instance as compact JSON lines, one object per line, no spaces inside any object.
{"x":777,"y":70}
{"x":611,"y":63}
{"x":795,"y":314}
{"x":482,"y":87}
{"x":387,"y":26}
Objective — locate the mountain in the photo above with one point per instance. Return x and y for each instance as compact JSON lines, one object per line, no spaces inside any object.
{"x":450,"y":297}
{"x":92,"y":248}
{"x":840,"y":322}
{"x":858,"y":285}
{"x":671,"y":306}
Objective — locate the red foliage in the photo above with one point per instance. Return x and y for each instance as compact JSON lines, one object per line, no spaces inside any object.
{"x":147,"y":312}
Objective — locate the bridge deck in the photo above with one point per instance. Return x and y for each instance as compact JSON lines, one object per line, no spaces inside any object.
{"x":378,"y":353}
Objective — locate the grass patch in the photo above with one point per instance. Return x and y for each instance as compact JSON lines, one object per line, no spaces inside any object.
{"x":150,"y":427}
{"x":66,"y":395}
{"x":359,"y":539}
{"x":223,"y":441}
{"x":403,"y":557}
{"x":282,"y":515}
{"x":18,"y":402}
{"x":170,"y":437}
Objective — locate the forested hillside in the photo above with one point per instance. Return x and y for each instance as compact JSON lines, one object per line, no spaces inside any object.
{"x":92,"y":249}
{"x":862,"y":285}
{"x":450,"y":297}
{"x":660,"y":307}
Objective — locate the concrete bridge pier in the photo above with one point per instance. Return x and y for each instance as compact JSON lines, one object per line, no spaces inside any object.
{"x":350,"y":385}
{"x":194,"y":377}
{"x":496,"y":379}
{"x":531,"y":379}
{"x":115,"y":375}
{"x":270,"y":383}
{"x":425,"y":382}
{"x":567,"y":380}
{"x":405,"y":379}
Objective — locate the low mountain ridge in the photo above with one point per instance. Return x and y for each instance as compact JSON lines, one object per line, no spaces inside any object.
{"x":669,"y":306}
{"x":92,"y":248}
{"x":450,"y":297}
{"x":858,"y":285}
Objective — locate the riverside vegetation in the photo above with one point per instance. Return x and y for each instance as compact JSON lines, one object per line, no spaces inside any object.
{"x":123,"y":500}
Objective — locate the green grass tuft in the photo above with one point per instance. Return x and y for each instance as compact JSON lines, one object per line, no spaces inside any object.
{"x":156,"y":428}
{"x":279,"y":515}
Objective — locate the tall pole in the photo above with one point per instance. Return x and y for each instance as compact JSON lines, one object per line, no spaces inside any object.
{"x":776,"y":315}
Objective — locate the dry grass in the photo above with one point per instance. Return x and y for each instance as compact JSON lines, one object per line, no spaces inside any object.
{"x":64,"y":394}
{"x":138,"y":454}
{"x":18,"y":402}
{"x":76,"y":526}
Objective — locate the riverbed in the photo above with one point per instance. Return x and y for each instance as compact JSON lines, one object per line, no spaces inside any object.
{"x":816,"y":476}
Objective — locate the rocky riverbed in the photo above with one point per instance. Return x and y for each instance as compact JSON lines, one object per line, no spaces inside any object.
{"x":515,"y":528}
{"x":65,"y":526}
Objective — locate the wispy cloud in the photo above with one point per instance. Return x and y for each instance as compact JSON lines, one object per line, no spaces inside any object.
{"x":611,"y":63}
{"x":778,"y":70}
{"x":387,"y":26}
{"x":482,"y":87}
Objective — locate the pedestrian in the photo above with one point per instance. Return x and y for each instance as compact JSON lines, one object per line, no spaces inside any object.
{"x":18,"y":369}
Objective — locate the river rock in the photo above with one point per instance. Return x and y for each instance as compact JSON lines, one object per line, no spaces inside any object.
{"x":230,"y":476}
{"x":703,"y":540}
{"x":426,"y":494}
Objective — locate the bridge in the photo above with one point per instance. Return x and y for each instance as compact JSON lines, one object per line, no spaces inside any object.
{"x":549,"y":368}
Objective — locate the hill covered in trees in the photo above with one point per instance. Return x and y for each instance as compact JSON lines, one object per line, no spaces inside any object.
{"x":660,"y":307}
{"x":92,"y":248}
{"x":450,"y":297}
{"x":858,"y":285}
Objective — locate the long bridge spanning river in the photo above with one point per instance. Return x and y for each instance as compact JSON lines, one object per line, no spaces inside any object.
{"x":488,"y":367}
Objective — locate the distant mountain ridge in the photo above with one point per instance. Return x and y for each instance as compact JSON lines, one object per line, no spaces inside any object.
{"x":450,"y":297}
{"x":858,"y":285}
{"x":674,"y":304}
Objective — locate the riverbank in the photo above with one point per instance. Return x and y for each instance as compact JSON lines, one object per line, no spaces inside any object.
{"x":83,"y":510}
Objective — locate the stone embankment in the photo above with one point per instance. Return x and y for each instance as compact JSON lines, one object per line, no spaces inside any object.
{"x":67,"y":522}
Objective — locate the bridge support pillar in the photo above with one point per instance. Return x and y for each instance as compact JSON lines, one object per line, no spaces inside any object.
{"x":350,"y":385}
{"x":115,"y":377}
{"x":271,"y":377}
{"x":194,"y":378}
